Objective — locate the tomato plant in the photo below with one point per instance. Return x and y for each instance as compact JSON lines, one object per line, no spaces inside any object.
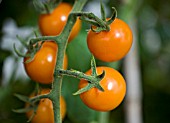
{"x":44,"y":113}
{"x":101,"y":91}
{"x":53,"y":23}
{"x":41,"y":68}
{"x":111,"y":45}
{"x":114,"y":90}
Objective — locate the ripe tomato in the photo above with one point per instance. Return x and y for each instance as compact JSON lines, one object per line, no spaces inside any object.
{"x":114,"y":90}
{"x":44,"y":113}
{"x":53,"y":23}
{"x":41,"y":68}
{"x":112,"y":45}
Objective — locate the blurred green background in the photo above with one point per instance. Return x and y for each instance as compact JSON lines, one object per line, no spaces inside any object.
{"x":152,"y":19}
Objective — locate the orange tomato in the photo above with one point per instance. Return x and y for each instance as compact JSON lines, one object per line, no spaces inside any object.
{"x":41,"y":68}
{"x":53,"y":23}
{"x":114,"y":90}
{"x":44,"y":113}
{"x":112,"y":45}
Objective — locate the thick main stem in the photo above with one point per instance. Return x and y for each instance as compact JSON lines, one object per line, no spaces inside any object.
{"x":57,"y":83}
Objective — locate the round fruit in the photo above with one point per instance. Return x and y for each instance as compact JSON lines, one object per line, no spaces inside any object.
{"x":41,"y":68}
{"x":111,"y":45}
{"x":114,"y":90}
{"x":53,"y":23}
{"x":44,"y":113}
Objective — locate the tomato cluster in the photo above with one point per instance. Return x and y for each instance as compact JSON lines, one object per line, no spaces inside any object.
{"x":107,"y":46}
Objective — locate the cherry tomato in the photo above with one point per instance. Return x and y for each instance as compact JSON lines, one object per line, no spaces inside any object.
{"x":53,"y":23}
{"x":41,"y":68}
{"x":114,"y":90}
{"x":112,"y":45}
{"x":44,"y":113}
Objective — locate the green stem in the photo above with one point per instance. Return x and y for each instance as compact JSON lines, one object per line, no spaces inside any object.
{"x":77,"y":74}
{"x":44,"y":38}
{"x":63,"y":38}
{"x":39,"y":97}
{"x":91,"y":16}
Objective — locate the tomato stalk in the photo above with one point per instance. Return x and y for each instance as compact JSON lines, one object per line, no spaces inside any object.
{"x":62,"y":44}
{"x":61,"y":41}
{"x":93,"y":79}
{"x":44,"y":38}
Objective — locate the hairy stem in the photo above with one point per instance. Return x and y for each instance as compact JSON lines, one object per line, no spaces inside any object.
{"x":76,"y":74}
{"x":39,"y":97}
{"x":62,"y":39}
{"x":44,"y":38}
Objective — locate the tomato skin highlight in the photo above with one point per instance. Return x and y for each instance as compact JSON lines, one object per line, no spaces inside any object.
{"x":114,"y":91}
{"x":112,"y":45}
{"x":52,"y":24}
{"x":44,"y":113}
{"x":41,"y":68}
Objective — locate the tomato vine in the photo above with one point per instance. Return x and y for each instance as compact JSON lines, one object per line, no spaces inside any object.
{"x":93,"y":80}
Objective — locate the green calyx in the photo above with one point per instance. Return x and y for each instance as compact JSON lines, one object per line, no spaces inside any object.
{"x":94,"y":82}
{"x":32,"y":104}
{"x":93,"y":79}
{"x":32,"y":48}
{"x":98,"y":24}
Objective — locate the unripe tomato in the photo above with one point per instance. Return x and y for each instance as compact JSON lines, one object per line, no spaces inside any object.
{"x":114,"y":90}
{"x":41,"y":68}
{"x":112,"y":45}
{"x":44,"y":113}
{"x":53,"y":23}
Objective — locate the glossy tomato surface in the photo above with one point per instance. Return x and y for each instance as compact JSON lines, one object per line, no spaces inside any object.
{"x":53,"y":23}
{"x":112,"y":45}
{"x":114,"y":91}
{"x":44,"y":112}
{"x":41,"y":68}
